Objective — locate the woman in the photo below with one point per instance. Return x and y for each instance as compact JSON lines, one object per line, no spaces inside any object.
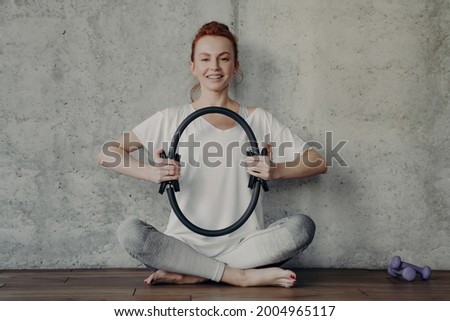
{"x":213,"y":191}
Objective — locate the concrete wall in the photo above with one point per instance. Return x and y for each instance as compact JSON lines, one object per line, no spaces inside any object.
{"x":74,"y":74}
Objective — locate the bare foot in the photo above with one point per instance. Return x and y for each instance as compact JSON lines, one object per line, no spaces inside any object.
{"x":259,"y":277}
{"x":161,"y":276}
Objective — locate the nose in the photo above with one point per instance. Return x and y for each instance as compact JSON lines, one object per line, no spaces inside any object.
{"x":214,"y":65}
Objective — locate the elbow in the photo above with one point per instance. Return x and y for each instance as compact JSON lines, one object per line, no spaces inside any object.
{"x":316,"y":162}
{"x":323,"y":168}
{"x":100,"y":158}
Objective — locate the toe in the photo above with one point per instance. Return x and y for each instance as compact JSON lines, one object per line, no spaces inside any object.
{"x":149,"y":280}
{"x":287,"y":282}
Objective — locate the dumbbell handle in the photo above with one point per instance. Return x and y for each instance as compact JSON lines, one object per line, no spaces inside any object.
{"x":407,"y":273}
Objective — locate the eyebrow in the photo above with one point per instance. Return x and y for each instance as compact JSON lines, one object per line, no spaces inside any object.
{"x":207,"y":54}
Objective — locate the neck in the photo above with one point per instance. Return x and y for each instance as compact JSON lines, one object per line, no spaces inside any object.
{"x":214,"y":99}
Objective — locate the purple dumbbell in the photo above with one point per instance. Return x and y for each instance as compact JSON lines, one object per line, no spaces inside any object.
{"x":397,"y":264}
{"x":407,"y":273}
{"x":424,"y":272}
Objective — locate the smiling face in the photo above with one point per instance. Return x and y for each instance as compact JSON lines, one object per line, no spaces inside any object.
{"x":214,"y":63}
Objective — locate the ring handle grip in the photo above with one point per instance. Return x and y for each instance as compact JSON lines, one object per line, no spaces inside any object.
{"x":265,"y":187}
{"x":174,"y":183}
{"x":252,"y":180}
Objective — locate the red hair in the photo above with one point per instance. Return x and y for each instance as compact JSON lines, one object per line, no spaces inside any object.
{"x":215,"y":28}
{"x":212,"y":28}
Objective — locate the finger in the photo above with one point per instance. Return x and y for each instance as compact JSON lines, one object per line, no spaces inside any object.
{"x":260,"y":162}
{"x":158,"y":153}
{"x":172,"y":162}
{"x":164,"y":161}
{"x":259,"y":172}
{"x":251,"y":161}
{"x":158,"y":156}
{"x":170,"y":171}
{"x":256,"y":174}
{"x":253,"y":171}
{"x":269,"y":150}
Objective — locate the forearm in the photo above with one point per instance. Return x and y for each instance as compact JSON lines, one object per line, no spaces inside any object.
{"x":122,"y":162}
{"x":309,"y":164}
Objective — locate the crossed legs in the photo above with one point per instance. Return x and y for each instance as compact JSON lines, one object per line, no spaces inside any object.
{"x":176,"y":262}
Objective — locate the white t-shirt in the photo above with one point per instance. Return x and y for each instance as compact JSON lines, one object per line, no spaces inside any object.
{"x":213,"y":184}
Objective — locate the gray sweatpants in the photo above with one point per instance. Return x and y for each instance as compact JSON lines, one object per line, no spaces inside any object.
{"x":277,"y":243}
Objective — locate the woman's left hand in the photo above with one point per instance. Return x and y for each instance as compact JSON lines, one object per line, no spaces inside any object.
{"x":261,"y":166}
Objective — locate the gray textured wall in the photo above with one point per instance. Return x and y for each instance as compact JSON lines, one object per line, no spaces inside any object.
{"x":74,"y":74}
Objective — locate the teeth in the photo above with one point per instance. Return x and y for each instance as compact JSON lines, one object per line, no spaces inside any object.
{"x":214,"y":77}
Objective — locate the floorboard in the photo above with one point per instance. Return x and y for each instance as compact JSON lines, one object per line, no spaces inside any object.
{"x":127,"y":284}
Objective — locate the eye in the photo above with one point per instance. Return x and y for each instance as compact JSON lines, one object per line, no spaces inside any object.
{"x":225,"y":59}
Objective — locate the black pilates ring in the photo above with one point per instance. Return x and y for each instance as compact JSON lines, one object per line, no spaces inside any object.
{"x":254,"y":182}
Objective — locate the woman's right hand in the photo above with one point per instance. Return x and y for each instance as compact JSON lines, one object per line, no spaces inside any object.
{"x":165,"y":169}
{"x":115,"y":155}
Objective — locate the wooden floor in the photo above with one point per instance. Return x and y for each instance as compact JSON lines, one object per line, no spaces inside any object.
{"x":127,"y":284}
